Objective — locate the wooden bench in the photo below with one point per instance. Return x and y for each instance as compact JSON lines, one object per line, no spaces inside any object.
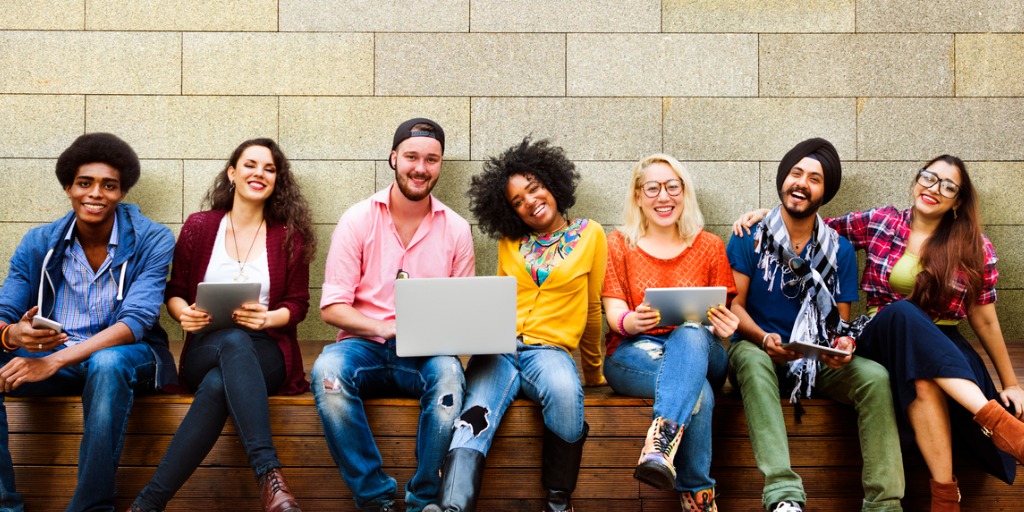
{"x":45,"y":435}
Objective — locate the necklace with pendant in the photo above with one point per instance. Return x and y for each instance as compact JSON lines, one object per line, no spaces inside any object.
{"x":241,"y":276}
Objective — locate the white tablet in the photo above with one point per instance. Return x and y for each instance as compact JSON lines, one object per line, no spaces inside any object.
{"x":219,"y":300}
{"x":680,"y":305}
{"x":813,"y":351}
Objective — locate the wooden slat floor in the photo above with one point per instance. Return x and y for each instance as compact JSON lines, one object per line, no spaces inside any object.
{"x":45,"y":435}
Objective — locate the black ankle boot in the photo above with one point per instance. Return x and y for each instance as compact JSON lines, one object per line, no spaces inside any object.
{"x":560,"y":469}
{"x":461,"y":472}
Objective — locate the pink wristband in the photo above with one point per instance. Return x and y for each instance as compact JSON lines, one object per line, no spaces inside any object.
{"x":622,"y":323}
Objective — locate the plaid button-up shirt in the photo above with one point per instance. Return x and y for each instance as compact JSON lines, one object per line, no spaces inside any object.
{"x":882,"y":234}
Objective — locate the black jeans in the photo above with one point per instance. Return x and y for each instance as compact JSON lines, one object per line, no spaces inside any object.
{"x":232,"y":371}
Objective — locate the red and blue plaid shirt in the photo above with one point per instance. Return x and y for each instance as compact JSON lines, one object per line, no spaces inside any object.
{"x":882,"y":234}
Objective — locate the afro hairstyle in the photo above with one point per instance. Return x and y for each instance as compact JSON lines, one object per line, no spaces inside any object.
{"x":99,"y":148}
{"x":487,"y":191}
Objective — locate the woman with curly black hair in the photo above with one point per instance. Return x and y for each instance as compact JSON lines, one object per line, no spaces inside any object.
{"x":522,"y":199}
{"x":258,"y":229}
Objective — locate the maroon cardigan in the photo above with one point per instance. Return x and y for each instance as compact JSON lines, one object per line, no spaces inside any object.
{"x":289,"y":285}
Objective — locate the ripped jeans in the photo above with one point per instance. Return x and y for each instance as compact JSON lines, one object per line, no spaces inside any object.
{"x":681,"y":370}
{"x":353,"y":369}
{"x":542,"y":373}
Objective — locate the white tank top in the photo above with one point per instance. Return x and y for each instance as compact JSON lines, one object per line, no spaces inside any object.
{"x":223,"y":268}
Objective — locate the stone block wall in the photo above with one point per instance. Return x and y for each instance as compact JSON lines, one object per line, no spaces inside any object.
{"x":726,"y":86}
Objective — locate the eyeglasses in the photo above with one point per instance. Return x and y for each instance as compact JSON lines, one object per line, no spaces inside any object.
{"x":928,"y":179}
{"x":653,"y":188}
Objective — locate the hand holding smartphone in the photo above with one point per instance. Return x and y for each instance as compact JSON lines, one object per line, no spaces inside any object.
{"x":41,"y":322}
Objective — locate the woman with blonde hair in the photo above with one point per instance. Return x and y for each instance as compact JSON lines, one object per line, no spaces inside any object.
{"x":663,"y":245}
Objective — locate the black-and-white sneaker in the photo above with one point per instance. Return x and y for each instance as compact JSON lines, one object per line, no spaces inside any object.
{"x":786,"y":506}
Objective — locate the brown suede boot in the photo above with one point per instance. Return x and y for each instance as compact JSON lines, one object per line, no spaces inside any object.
{"x":275,"y":496}
{"x":700,"y":501}
{"x":1006,"y":431}
{"x":945,"y":497}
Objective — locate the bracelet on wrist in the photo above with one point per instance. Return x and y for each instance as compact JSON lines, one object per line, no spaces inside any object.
{"x":3,"y":339}
{"x":622,"y":323}
{"x":764,"y":340}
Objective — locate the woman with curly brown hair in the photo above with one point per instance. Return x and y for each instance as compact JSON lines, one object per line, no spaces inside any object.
{"x":258,"y":229}
{"x":522,"y":198}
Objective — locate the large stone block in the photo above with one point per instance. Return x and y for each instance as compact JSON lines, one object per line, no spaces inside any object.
{"x":856,"y":65}
{"x":313,"y":328}
{"x":199,"y":176}
{"x":755,"y":128}
{"x":362,"y":128}
{"x":331,"y":187}
{"x":998,"y":185}
{"x":191,"y":127}
{"x":725,"y":190}
{"x":39,"y":196}
{"x":866,"y":185}
{"x":662,"y":65}
{"x":1009,"y":304}
{"x":43,"y":15}
{"x":470,"y":64}
{"x":588,"y":128}
{"x":159,"y":190}
{"x":277,"y":63}
{"x":565,"y":16}
{"x":746,"y":16}
{"x":39,"y":126}
{"x":1007,"y":241}
{"x":601,"y":192}
{"x":11,"y":233}
{"x":947,"y":17}
{"x":921,"y":128}
{"x":182,"y":15}
{"x":90,"y":63}
{"x":990,"y":64}
{"x":381,"y":16}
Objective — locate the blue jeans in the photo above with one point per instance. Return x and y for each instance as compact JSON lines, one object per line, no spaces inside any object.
{"x":232,"y":371}
{"x":681,"y":371}
{"x":355,"y":368}
{"x":107,"y":382}
{"x":543,"y":373}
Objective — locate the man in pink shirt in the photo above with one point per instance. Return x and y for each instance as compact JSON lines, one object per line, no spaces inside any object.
{"x":401,"y":231}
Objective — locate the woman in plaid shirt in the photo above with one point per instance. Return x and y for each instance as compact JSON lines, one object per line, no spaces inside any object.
{"x":929,"y":267}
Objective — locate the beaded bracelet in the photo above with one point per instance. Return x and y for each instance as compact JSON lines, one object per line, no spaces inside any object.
{"x":622,"y":323}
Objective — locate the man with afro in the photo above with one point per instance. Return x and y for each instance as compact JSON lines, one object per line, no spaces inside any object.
{"x":79,"y":312}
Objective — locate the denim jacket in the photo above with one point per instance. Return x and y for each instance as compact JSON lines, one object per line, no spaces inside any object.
{"x":140,"y":263}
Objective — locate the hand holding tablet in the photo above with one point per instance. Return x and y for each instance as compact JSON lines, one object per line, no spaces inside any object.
{"x":220,"y":300}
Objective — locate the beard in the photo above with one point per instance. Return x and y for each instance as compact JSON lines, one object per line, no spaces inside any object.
{"x":809,"y":209}
{"x":410,"y":193}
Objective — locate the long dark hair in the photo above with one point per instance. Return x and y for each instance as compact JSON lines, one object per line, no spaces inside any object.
{"x":286,"y":205}
{"x":955,"y":250}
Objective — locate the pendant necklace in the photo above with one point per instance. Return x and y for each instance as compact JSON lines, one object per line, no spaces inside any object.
{"x":242,"y":276}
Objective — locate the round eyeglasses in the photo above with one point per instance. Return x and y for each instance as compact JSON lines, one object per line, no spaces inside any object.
{"x":928,"y":179}
{"x":653,"y":188}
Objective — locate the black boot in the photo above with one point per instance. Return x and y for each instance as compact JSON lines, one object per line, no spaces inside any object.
{"x":560,"y":469}
{"x":461,"y":473}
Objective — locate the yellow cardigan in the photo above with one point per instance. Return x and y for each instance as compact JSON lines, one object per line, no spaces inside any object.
{"x":566,"y":310}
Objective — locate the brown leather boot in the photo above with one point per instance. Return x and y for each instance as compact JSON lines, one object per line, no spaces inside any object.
{"x":275,"y":496}
{"x":1006,"y":431}
{"x":945,"y":496}
{"x":700,"y":501}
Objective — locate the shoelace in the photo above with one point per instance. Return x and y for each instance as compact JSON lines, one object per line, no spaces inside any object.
{"x":662,"y":442}
{"x":275,"y":483}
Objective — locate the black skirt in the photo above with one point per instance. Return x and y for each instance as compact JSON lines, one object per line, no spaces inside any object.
{"x":904,"y":340}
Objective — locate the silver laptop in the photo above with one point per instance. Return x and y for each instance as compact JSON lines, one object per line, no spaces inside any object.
{"x":455,"y":316}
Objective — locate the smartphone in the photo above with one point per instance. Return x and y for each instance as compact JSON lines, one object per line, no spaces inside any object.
{"x":41,"y":322}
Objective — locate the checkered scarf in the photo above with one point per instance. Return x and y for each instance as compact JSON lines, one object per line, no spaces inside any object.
{"x":818,"y":320}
